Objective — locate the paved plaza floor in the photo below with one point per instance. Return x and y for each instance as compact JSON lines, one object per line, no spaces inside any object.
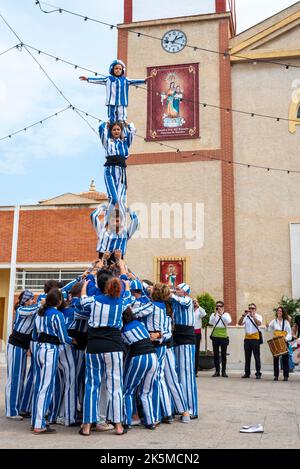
{"x":225,"y":405}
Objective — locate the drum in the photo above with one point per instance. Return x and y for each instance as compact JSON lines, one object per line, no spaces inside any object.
{"x":278,"y":346}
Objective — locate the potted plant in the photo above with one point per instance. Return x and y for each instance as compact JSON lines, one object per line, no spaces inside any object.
{"x":206,"y":359}
{"x":291,"y":306}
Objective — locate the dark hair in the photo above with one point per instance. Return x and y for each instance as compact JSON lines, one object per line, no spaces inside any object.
{"x":284,"y":313}
{"x":169,"y":309}
{"x":220,"y":303}
{"x":128,"y":315}
{"x":18,"y":303}
{"x":160,"y":292}
{"x":252,"y":304}
{"x":119,"y":124}
{"x":76,"y":290}
{"x":103,"y":276}
{"x":148,"y":282}
{"x":53,"y":298}
{"x":113,"y":287}
{"x":50,"y":284}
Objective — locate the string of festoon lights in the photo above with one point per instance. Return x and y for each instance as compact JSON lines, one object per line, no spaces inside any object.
{"x":225,"y":54}
{"x":175,"y":149}
{"x":201,"y":103}
{"x":46,"y":73}
{"x":81,"y":113}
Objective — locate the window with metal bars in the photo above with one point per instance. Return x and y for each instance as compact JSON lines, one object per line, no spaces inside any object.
{"x":35,"y":279}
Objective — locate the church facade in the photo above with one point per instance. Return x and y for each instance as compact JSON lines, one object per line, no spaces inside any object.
{"x":250,"y":244}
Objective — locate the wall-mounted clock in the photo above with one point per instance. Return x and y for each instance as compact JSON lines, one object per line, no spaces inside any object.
{"x":174,"y":41}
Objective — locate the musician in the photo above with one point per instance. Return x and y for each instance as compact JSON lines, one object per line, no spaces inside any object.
{"x":251,"y":320}
{"x":282,"y":328}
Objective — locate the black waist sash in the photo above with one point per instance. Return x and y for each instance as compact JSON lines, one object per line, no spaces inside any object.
{"x":184,"y":335}
{"x":18,"y":339}
{"x":81,"y":337}
{"x":44,"y":338}
{"x":115,"y":161}
{"x":170,"y":343}
{"x":142,"y":347}
{"x":104,"y":339}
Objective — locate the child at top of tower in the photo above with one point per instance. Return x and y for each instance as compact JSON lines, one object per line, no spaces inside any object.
{"x":117,"y":90}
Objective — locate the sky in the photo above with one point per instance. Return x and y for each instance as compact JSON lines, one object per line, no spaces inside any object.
{"x":64,"y":154}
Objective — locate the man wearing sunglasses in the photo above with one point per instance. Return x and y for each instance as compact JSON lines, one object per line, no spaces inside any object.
{"x":251,"y":320}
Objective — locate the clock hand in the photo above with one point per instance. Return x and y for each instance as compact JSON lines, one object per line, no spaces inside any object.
{"x":177,"y":39}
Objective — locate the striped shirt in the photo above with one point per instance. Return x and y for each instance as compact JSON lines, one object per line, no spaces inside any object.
{"x":52,"y":323}
{"x":111,"y":240}
{"x":117,"y":88}
{"x":25,"y":317}
{"x":65,"y":290}
{"x":106,"y":311}
{"x":154,"y":317}
{"x":81,"y":316}
{"x":168,"y":328}
{"x":116,"y":146}
{"x":134,"y":331}
{"x":183,"y":310}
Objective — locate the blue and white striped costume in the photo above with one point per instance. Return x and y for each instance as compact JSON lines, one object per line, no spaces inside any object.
{"x":171,"y":376}
{"x":140,"y":374}
{"x":17,"y":360}
{"x":80,"y":324}
{"x":183,"y":311}
{"x":29,"y":385}
{"x":117,"y":91}
{"x":115,"y":177}
{"x":106,"y":312}
{"x":111,"y":240}
{"x":154,"y":318}
{"x":65,"y":290}
{"x":47,"y":356}
{"x":64,"y":401}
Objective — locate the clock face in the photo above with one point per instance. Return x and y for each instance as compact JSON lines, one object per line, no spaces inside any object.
{"x":174,"y":41}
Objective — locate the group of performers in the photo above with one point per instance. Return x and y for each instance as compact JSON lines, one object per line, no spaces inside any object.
{"x":108,"y":350}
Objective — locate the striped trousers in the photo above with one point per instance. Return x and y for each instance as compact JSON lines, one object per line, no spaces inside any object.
{"x":173,"y":383}
{"x":80,"y":370}
{"x":64,"y":399}
{"x":115,"y":179}
{"x":107,"y":366}
{"x":26,"y":403}
{"x":16,"y":371}
{"x":116,"y":113}
{"x":46,"y":360}
{"x":185,"y":365}
{"x":161,"y":399}
{"x":139,"y":381}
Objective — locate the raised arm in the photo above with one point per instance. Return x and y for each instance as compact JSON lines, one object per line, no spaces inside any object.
{"x":95,"y":218}
{"x":134,"y":224}
{"x":136,"y":81}
{"x":130,"y":131}
{"x":95,"y":80}
{"x":182,"y":300}
{"x":25,"y":311}
{"x":103,"y":132}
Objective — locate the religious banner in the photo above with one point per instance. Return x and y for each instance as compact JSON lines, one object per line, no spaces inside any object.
{"x":173,"y":102}
{"x":171,"y":272}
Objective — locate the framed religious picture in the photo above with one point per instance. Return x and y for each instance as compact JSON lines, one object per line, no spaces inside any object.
{"x":171,"y":270}
{"x":173,"y":102}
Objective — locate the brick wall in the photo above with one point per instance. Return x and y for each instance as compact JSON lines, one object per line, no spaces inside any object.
{"x":6,"y":232}
{"x":63,"y":235}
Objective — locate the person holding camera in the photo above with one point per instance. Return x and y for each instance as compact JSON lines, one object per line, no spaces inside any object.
{"x":219,"y":336}
{"x":253,"y":338}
